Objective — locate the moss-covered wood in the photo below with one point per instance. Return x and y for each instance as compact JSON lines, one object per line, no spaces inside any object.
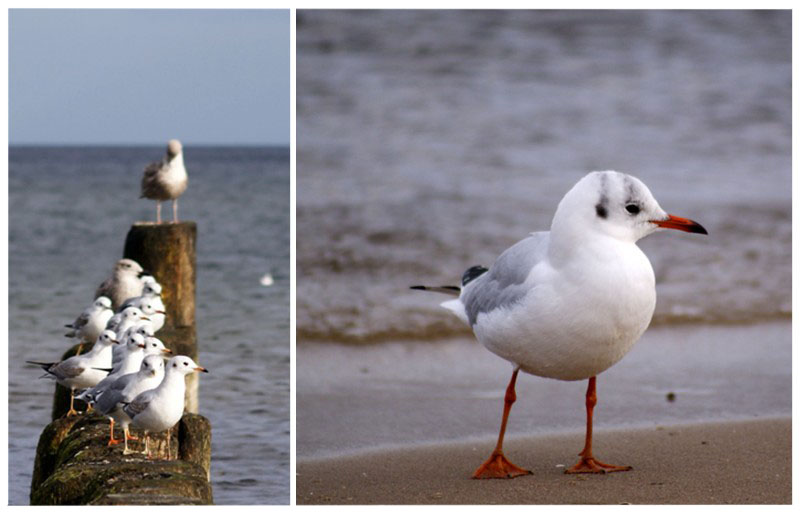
{"x":74,"y":465}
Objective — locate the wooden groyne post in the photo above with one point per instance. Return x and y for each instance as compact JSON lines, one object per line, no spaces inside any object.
{"x":73,"y":463}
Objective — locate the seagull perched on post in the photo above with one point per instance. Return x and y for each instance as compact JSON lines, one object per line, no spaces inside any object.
{"x":124,"y":283}
{"x":166,"y":180}
{"x":82,"y":371}
{"x":569,"y":303}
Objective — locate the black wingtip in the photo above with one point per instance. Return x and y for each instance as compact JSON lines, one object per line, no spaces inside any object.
{"x":472,"y":273}
{"x":418,"y":287}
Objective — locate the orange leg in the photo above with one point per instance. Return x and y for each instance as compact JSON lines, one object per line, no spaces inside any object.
{"x":129,"y":436}
{"x":587,"y":463}
{"x":498,"y":466}
{"x":72,"y":411}
{"x":112,"y":440}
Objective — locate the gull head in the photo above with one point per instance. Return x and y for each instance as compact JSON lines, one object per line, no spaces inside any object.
{"x":135,"y":343}
{"x":145,"y":330}
{"x":126,"y":265}
{"x":152,"y":288}
{"x":108,"y":338}
{"x":616,"y":205}
{"x":183,"y":365}
{"x":133,"y":314}
{"x":102,"y":302}
{"x":153,"y":346}
{"x":148,"y":307}
{"x":152,"y":366}
{"x":174,"y":147}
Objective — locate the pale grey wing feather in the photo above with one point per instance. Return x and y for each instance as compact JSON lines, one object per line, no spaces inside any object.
{"x":107,"y":401}
{"x":108,"y":397}
{"x":504,"y":283}
{"x":80,"y":322}
{"x":67,"y":370}
{"x":139,"y":403}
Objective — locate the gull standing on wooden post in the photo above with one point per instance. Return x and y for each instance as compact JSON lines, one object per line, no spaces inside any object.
{"x":166,"y":180}
{"x":124,"y":283}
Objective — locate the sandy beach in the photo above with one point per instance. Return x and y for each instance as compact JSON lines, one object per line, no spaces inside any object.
{"x":702,"y":413}
{"x":745,"y":462}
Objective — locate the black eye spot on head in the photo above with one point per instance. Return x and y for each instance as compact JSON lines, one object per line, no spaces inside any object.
{"x":601,"y":210}
{"x":174,"y":364}
{"x":632,"y":208}
{"x":186,"y":363}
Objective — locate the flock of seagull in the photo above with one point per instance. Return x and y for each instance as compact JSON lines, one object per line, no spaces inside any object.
{"x":124,"y":375}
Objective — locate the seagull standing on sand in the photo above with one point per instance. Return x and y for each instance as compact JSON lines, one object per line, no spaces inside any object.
{"x":161,"y":408}
{"x":569,"y":303}
{"x":82,"y":371}
{"x":124,"y":283}
{"x":166,"y":180}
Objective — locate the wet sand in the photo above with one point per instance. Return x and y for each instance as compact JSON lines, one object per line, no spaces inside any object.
{"x":745,"y":462}
{"x":407,"y":423}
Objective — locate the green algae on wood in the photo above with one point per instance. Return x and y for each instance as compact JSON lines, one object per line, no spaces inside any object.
{"x":75,"y":466}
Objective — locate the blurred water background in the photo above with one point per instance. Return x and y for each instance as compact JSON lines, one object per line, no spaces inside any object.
{"x":429,"y":141}
{"x":69,"y":211}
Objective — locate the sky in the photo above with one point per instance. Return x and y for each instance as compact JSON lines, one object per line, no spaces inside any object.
{"x":143,"y":76}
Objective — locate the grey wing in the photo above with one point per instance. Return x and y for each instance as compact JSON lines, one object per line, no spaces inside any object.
{"x":104,"y":289}
{"x":505,"y":282}
{"x":128,"y":302}
{"x":67,"y":369}
{"x":139,"y":403}
{"x":80,"y":321}
{"x":108,"y":400}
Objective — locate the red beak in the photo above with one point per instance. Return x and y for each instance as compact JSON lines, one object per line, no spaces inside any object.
{"x":682,"y":224}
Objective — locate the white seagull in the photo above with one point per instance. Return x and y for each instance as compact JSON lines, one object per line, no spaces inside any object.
{"x":130,"y":317}
{"x":82,"y":371}
{"x":91,"y":323}
{"x":123,"y":283}
{"x":568,"y":303}
{"x":125,"y":389}
{"x":161,"y":408}
{"x":166,"y":180}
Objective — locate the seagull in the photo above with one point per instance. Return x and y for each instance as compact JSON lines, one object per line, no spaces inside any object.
{"x":82,"y":371}
{"x":569,"y":303}
{"x":166,"y":180}
{"x":151,"y":306}
{"x":124,"y":282}
{"x":91,"y":323}
{"x":161,"y":408}
{"x":129,"y":317}
{"x":131,"y":360}
{"x":125,"y":389}
{"x":151,"y":289}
